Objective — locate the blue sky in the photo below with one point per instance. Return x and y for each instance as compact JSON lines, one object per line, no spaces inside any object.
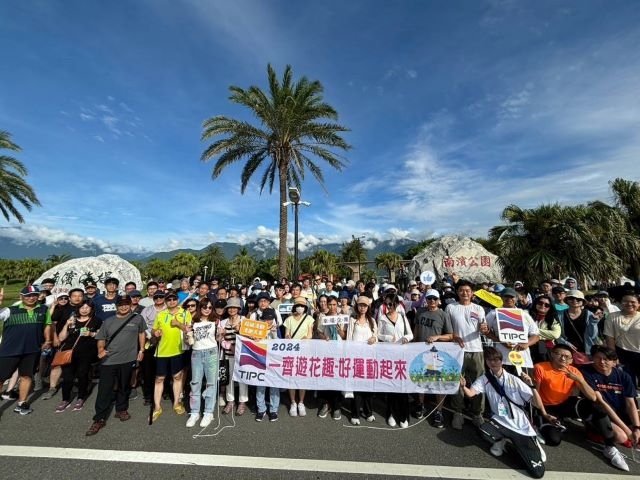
{"x":456,"y":110}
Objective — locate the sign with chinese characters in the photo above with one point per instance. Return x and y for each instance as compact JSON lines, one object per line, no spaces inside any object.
{"x":349,"y":366}
{"x":335,"y":320}
{"x":254,"y":328}
{"x":464,"y":261}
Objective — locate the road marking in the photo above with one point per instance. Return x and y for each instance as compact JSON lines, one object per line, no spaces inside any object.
{"x":297,"y":464}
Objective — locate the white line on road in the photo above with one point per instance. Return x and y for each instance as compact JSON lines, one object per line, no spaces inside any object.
{"x":306,"y":465}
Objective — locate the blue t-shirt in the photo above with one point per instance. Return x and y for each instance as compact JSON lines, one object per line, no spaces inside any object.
{"x":615,"y":388}
{"x":105,"y":308}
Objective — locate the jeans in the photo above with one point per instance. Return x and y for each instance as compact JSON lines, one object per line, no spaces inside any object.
{"x":274,"y":399}
{"x":204,"y":363}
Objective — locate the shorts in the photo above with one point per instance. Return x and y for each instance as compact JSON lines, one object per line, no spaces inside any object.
{"x":26,"y":365}
{"x":169,"y":365}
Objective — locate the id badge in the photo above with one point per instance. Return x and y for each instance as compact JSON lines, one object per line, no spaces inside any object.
{"x":502,"y":409}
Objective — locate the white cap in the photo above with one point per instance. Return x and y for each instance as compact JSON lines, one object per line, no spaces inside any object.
{"x":432,"y":293}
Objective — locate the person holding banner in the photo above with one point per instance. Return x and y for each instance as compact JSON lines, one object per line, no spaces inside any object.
{"x":298,"y":326}
{"x":393,"y":327}
{"x":362,"y":328}
{"x":268,"y":315}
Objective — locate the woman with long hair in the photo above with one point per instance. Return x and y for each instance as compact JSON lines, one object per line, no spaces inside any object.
{"x":544,"y":314}
{"x":79,"y":330}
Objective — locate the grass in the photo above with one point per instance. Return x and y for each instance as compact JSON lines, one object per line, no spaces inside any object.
{"x":11,"y":291}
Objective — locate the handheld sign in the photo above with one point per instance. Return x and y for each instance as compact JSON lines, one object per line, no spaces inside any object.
{"x":511,"y":325}
{"x":517,"y":360}
{"x":335,"y":320}
{"x":285,"y":309}
{"x":428,"y":277}
{"x":254,"y":329}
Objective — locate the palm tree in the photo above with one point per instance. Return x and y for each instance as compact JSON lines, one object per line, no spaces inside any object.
{"x":183,"y":264}
{"x":626,"y":194}
{"x":295,"y":125}
{"x":354,"y":251}
{"x":243,"y":266}
{"x":215,"y":261}
{"x":322,"y":262}
{"x":157,"y":268}
{"x":29,"y":269}
{"x":390,"y":261}
{"x":13,"y":187}
{"x":53,"y":260}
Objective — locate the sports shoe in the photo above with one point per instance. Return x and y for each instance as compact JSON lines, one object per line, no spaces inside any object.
{"x":207,"y":418}
{"x":123,"y":415}
{"x":421,"y":410}
{"x":193,"y":419}
{"x":221,"y":401}
{"x":273,"y":416}
{"x":133,"y":394}
{"x":371,"y":418}
{"x":95,"y":427}
{"x":10,"y":395}
{"x":302,"y":411}
{"x":49,"y":394}
{"x":23,"y":408}
{"x":260,"y":416}
{"x":337,"y":415}
{"x":355,"y":421}
{"x":79,"y":405}
{"x":37,"y":382}
{"x":322,"y":413}
{"x":477,"y":420}
{"x":497,"y":449}
{"x":615,"y":457}
{"x":404,"y":424}
{"x":156,"y":415}
{"x":438,"y":419}
{"x":62,"y":406}
{"x":293,"y":410}
{"x":391,"y":421}
{"x":457,"y":422}
{"x":179,"y":409}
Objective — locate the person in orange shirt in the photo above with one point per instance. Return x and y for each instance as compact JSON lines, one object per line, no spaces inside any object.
{"x":558,"y":383}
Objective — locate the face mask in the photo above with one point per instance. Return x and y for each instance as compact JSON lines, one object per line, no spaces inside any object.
{"x":299,"y":310}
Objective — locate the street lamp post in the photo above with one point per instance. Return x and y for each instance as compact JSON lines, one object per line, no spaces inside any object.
{"x":359,"y":242}
{"x":205,"y":274}
{"x":294,"y":199}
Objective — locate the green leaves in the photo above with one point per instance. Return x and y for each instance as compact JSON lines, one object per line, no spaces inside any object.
{"x":13,"y":186}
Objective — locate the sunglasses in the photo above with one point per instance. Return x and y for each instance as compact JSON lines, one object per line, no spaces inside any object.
{"x":544,"y":304}
{"x":206,"y":307}
{"x":63,"y":298}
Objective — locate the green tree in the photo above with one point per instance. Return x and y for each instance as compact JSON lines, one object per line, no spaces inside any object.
{"x":13,"y":186}
{"x":243,"y":266}
{"x":53,"y":260}
{"x":322,"y":262}
{"x":626,"y":195}
{"x":28,"y":269}
{"x":215,"y":261}
{"x":8,"y":269}
{"x":295,"y":126}
{"x":183,"y":264}
{"x":157,"y":268}
{"x":354,"y":251}
{"x":390,"y":261}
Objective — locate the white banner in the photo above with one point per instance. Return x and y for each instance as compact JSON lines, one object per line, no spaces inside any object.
{"x":335,"y":319}
{"x":349,"y":366}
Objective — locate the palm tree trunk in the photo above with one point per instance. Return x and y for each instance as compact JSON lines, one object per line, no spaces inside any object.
{"x":282,"y":247}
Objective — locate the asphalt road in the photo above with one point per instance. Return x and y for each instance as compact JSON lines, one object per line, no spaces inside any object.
{"x":230,"y":446}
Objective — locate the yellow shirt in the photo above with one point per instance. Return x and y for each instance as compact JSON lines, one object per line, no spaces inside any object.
{"x":171,"y":340}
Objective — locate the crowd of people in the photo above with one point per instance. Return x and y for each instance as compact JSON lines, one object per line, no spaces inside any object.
{"x":172,"y":343}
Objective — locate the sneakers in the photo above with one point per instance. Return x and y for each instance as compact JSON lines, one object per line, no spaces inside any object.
{"x":37,"y":383}
{"x":404,"y":424}
{"x":293,"y":410}
{"x":228,"y":408}
{"x":438,"y":419}
{"x":133,"y":394}
{"x":221,"y":401}
{"x":355,"y":421}
{"x":615,"y":457}
{"x":302,"y":411}
{"x":371,"y":418}
{"x":123,"y":415}
{"x":79,"y":405}
{"x":497,"y":449}
{"x":49,"y":394}
{"x":207,"y":418}
{"x":391,"y":421}
{"x":421,"y":410}
{"x":23,"y":408}
{"x":62,"y":406}
{"x":457,"y":422}
{"x":10,"y":395}
{"x":179,"y":409}
{"x":273,"y":416}
{"x":156,"y":415}
{"x":337,"y":415}
{"x":323,"y":412}
{"x":477,"y":420}
{"x":260,"y":416}
{"x":96,"y":427}
{"x":193,"y":419}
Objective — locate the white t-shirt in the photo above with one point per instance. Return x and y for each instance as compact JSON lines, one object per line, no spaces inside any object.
{"x":502,"y":409}
{"x":466,"y":320}
{"x":204,"y":335}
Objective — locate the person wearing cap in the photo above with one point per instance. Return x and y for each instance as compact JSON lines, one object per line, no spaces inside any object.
{"x":148,"y":364}
{"x":91,"y":289}
{"x":579,"y":326}
{"x":264,"y":304}
{"x":268,"y":315}
{"x":432,"y":324}
{"x":169,"y":327}
{"x":362,"y":328}
{"x":135,"y":296}
{"x":622,"y":334}
{"x":230,"y":329}
{"x":490,"y":330}
{"x":27,"y":332}
{"x":298,"y":326}
{"x":105,"y":304}
{"x":344,"y":304}
{"x":413,"y":285}
{"x":120,"y":345}
{"x":466,"y":319}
